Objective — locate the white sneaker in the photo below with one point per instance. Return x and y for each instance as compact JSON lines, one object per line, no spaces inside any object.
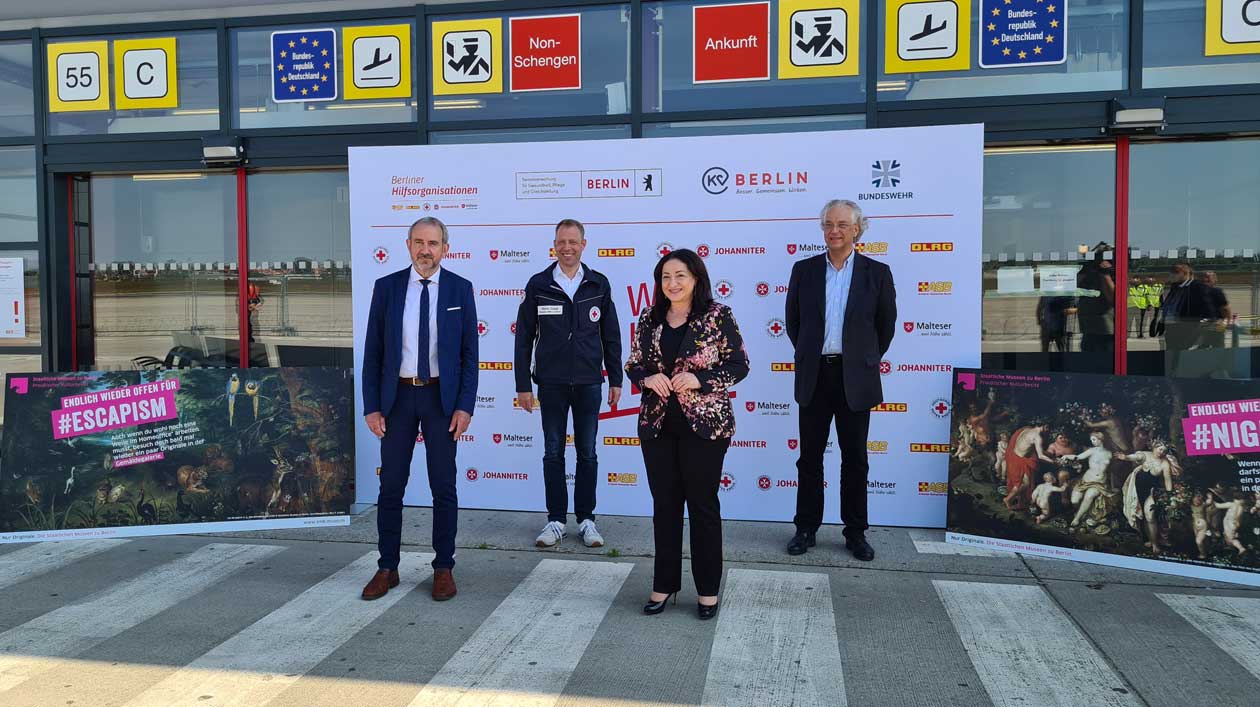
{"x":551,"y":534}
{"x":590,"y":536}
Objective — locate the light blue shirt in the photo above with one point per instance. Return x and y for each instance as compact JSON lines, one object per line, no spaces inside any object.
{"x":837,"y":298}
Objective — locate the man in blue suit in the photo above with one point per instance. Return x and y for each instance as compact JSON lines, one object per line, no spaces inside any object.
{"x":419,"y":375}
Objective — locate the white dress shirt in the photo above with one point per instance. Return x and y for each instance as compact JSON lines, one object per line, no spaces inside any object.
{"x":570,"y":285}
{"x":411,"y":325}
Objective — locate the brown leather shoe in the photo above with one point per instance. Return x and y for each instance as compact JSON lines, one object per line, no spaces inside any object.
{"x":443,"y":585}
{"x":381,"y":583}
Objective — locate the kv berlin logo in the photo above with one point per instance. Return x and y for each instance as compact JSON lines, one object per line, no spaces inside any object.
{"x":885,"y":173}
{"x":714,"y":180}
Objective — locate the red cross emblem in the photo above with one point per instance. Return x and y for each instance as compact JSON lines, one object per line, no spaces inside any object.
{"x":763,"y":289}
{"x":775,"y":328}
{"x":908,"y":326}
{"x":750,"y":406}
{"x":941,"y":407}
{"x":380,"y":255}
{"x":723,"y":289}
{"x":664,"y":249}
{"x":885,"y":368}
{"x":494,"y":255}
{"x":497,"y":438}
{"x":763,"y":483}
{"x":482,"y":327}
{"x":791,"y":248}
{"x":594,"y":314}
{"x":792,"y":444}
{"x":471,"y":474}
{"x":702,"y":250}
{"x":728,"y":482}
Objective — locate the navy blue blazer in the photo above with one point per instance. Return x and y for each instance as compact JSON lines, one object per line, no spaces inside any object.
{"x":457,"y":343}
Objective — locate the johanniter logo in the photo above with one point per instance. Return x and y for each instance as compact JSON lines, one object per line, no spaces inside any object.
{"x":886,"y":173}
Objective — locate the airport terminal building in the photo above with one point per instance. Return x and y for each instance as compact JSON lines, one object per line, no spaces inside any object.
{"x":174,"y":191}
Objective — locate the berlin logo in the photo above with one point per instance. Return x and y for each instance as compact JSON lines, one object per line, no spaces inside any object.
{"x":886,"y":173}
{"x":714,"y":180}
{"x":723,"y":289}
{"x":380,"y":255}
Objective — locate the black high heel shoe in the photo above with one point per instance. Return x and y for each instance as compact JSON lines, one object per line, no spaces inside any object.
{"x":707,"y":612}
{"x":655,"y":607}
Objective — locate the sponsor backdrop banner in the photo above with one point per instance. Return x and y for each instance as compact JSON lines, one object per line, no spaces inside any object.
{"x":1156,"y":474}
{"x":750,"y":206}
{"x":111,"y":454}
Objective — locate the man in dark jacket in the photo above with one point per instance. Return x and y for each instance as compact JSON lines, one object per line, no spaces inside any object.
{"x":567,"y":323}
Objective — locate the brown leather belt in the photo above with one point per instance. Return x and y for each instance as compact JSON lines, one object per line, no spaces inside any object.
{"x":418,"y":382}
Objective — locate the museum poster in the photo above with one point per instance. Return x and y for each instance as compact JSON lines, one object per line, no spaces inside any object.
{"x":1148,"y":473}
{"x":119,"y":453}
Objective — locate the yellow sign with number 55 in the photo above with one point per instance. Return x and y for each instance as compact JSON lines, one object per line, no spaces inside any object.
{"x":78,"y":76}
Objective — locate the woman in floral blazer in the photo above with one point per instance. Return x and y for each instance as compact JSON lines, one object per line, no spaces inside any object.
{"x":686,"y":354}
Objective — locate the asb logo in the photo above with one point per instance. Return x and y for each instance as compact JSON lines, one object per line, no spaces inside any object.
{"x":940,"y":407}
{"x":885,"y":173}
{"x":702,"y":250}
{"x":621,"y":441}
{"x":380,"y":255}
{"x":929,"y":447}
{"x":727,"y":482}
{"x":872,"y":248}
{"x":471,"y":474}
{"x":764,"y":483}
{"x":933,"y":488}
{"x":664,"y":249}
{"x":775,"y":328}
{"x":877,"y":446}
{"x":885,"y":367}
{"x":615,"y":479}
{"x":783,"y":367}
{"x":890,"y":407}
{"x":938,"y":247}
{"x":495,"y":365}
{"x":615,"y":252}
{"x":723,"y":289}
{"x":482,"y":327}
{"x":714,"y":180}
{"x":936,"y":287}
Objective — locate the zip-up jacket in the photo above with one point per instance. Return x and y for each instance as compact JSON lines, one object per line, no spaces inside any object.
{"x":572,"y":341}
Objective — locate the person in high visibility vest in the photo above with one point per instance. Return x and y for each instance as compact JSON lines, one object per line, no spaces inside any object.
{"x":1139,"y":302}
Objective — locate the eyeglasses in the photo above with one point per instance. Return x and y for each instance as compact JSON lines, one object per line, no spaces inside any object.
{"x":841,"y":226}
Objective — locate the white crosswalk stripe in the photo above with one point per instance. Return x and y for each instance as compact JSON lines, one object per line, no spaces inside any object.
{"x":28,"y":562}
{"x":775,"y":643}
{"x":1233,"y":624}
{"x":73,"y":629}
{"x":258,"y":663}
{"x":525,"y":652}
{"x":1022,"y":646}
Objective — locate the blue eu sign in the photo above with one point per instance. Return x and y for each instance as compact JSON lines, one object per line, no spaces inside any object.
{"x":304,"y":65}
{"x":1022,"y":32}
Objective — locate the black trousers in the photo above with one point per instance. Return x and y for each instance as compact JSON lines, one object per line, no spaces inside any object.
{"x":852,"y":428}
{"x":683,"y":468}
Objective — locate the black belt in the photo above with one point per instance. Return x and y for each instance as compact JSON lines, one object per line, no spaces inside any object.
{"x":418,"y":382}
{"x":832,"y":359}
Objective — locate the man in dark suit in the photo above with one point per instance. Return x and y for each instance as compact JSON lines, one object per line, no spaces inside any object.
{"x":419,"y":375}
{"x":841,"y":314}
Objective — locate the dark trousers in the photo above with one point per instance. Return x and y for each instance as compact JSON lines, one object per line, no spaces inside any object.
{"x":555,"y":402}
{"x":852,"y":428}
{"x":417,"y":409}
{"x":683,"y":468}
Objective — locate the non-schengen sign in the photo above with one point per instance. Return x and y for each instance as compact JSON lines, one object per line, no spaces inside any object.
{"x":12,"y":299}
{"x":927,"y":35}
{"x":818,"y":38}
{"x":730,"y":42}
{"x":377,"y":61}
{"x":145,"y":73}
{"x":1022,"y":33}
{"x":546,"y":53}
{"x":1232,"y":27}
{"x":78,"y":76}
{"x":304,"y":65}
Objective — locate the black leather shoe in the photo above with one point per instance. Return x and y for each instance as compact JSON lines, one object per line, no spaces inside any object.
{"x":707,"y":612}
{"x":860,"y":548}
{"x":655,"y":607}
{"x":801,"y":543}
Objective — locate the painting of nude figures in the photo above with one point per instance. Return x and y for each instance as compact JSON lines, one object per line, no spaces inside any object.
{"x":1159,"y":469}
{"x":99,"y":454}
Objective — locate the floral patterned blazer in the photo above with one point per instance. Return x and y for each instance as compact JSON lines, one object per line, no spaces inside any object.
{"x":713,"y":350}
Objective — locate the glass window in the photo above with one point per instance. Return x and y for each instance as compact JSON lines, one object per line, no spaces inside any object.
{"x":197,"y":84}
{"x":592,"y":132}
{"x":254,"y":73}
{"x":755,"y":126}
{"x":1049,"y":234}
{"x":18,"y":222}
{"x":162,"y":270}
{"x":299,"y":273}
{"x":669,"y":72}
{"x":1174,"y":51}
{"x":1194,"y":220}
{"x":34,"y":326}
{"x":604,"y":69}
{"x":17,"y":95}
{"x":1097,"y":52}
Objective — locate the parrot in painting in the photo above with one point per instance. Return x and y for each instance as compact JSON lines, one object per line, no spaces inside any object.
{"x":233,"y":387}
{"x":251,"y":389}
